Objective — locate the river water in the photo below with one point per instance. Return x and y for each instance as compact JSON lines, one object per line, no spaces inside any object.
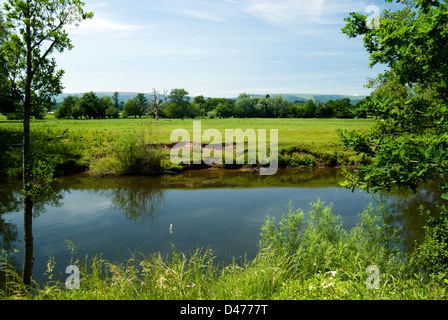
{"x":219,"y":209}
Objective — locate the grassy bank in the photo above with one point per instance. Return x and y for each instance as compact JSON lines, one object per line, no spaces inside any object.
{"x":304,"y":256}
{"x":302,"y":142}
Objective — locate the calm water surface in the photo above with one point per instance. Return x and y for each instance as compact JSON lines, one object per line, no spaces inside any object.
{"x":220,"y":209}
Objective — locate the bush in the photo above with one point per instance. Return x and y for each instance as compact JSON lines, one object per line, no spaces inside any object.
{"x":212,"y":114}
{"x":433,"y":252}
{"x":130,"y":154}
{"x":296,"y":160}
{"x":318,"y":241}
{"x":14,"y":116}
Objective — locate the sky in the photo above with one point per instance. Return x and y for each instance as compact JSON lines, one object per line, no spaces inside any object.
{"x":218,"y":48}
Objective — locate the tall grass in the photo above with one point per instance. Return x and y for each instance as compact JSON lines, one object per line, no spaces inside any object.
{"x":130,"y":153}
{"x":302,"y":256}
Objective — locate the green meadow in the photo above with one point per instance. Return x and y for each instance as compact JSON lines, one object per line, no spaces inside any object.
{"x":302,"y":142}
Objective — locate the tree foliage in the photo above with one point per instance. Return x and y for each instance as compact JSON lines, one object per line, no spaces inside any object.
{"x":178,"y":105}
{"x":409,"y":141}
{"x":9,"y":94}
{"x":136,"y":107}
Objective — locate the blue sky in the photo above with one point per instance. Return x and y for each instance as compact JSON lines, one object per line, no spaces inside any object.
{"x":218,"y":48}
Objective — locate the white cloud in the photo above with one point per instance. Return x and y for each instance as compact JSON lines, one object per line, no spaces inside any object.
{"x":106,"y":25}
{"x":284,"y":11}
{"x":215,"y":11}
{"x":301,"y":12}
{"x":201,"y":14}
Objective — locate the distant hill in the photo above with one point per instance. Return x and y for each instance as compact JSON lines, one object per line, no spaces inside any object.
{"x":125,"y":96}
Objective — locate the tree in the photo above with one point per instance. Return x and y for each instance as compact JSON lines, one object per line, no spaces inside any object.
{"x":226,"y":109}
{"x":260,"y":106}
{"x":131,"y":108}
{"x":37,"y":30}
{"x":408,"y":143}
{"x":309,"y":108}
{"x":157,"y":100}
{"x":90,"y":104}
{"x":109,"y":109}
{"x":321,"y":111}
{"x":66,"y":108}
{"x":211,"y":104}
{"x":9,"y":93}
{"x":342,"y":109}
{"x":142,"y":104}
{"x":179,"y":104}
{"x":275,"y":106}
{"x":78,"y":111}
{"x":245,"y":105}
{"x":197,"y":107}
{"x":116,"y":100}
{"x":4,"y":83}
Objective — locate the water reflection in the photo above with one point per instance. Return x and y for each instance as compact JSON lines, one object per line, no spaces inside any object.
{"x":407,"y":205}
{"x":137,"y":197}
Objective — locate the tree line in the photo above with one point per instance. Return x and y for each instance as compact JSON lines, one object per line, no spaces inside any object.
{"x":178,"y":105}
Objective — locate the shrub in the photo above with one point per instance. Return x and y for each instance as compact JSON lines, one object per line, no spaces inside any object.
{"x":318,"y":240}
{"x":130,"y":154}
{"x":14,"y":116}
{"x":433,"y":252}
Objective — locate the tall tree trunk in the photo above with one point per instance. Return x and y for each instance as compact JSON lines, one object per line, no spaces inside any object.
{"x":28,"y":258}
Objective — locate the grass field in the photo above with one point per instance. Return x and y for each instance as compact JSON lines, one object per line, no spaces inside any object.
{"x":318,"y":133}
{"x":299,"y":139}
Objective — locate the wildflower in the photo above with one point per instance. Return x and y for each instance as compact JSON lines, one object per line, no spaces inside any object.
{"x":329,"y":285}
{"x":311,"y":288}
{"x":333,"y":273}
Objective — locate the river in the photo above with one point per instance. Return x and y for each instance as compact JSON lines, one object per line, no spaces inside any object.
{"x":215,"y":208}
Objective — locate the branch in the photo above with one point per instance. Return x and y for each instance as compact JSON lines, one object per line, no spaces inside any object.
{"x":47,"y":139}
{"x":55,"y":41}
{"x":58,"y":137}
{"x":434,"y":165}
{"x":62,"y":22}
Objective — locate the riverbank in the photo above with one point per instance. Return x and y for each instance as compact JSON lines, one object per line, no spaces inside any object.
{"x":79,"y":145}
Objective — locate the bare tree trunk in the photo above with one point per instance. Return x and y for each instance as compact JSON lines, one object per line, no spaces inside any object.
{"x":28,"y":258}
